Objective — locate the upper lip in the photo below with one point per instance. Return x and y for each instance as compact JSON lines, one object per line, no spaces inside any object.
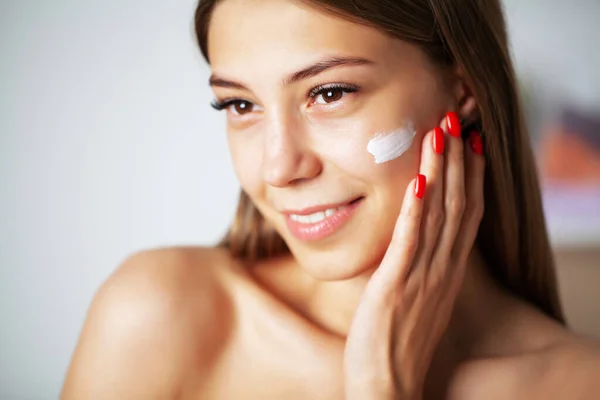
{"x":321,"y":207}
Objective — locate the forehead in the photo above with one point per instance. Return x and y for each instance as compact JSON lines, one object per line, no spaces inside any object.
{"x":279,"y":33}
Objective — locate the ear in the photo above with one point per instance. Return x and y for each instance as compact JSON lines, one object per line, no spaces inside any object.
{"x":467,"y":107}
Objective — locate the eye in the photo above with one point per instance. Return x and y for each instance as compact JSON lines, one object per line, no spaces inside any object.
{"x":330,"y":93}
{"x":330,"y":96}
{"x":236,"y":106}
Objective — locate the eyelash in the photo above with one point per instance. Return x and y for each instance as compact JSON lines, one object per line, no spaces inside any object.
{"x":314,"y":92}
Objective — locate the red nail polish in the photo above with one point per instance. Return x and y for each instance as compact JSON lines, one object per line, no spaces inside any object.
{"x":438,"y":140}
{"x":476,"y":143}
{"x":453,"y":123}
{"x":420,"y":186}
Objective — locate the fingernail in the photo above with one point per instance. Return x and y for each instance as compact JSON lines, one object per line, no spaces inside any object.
{"x":420,"y":186}
{"x":438,"y":140}
{"x":476,"y":143}
{"x":453,"y":123}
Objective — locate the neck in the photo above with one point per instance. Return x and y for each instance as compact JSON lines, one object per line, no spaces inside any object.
{"x":331,"y":304}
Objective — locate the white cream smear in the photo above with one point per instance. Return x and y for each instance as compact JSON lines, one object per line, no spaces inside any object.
{"x":391,"y":145}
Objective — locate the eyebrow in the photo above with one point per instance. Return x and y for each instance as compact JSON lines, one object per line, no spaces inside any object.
{"x":305,"y":73}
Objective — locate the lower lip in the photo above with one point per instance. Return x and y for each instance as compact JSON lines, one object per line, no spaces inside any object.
{"x":326,"y":227}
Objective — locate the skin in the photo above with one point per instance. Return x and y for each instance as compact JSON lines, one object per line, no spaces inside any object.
{"x":395,"y":304}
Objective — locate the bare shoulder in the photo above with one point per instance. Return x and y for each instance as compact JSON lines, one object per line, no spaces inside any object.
{"x":569,"y":369}
{"x":161,"y":314}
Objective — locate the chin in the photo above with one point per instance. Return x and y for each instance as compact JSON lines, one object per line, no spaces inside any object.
{"x":347,"y":257}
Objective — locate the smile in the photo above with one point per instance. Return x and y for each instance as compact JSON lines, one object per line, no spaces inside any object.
{"x":319,"y":222}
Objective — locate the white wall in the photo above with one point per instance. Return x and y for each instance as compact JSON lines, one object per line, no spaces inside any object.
{"x":556,"y":43}
{"x":108,"y":146}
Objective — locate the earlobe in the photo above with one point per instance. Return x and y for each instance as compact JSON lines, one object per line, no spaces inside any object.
{"x":468,"y":109}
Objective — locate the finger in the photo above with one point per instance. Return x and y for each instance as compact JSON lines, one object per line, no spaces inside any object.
{"x":454,"y":197}
{"x":474,"y":208}
{"x":369,"y":334}
{"x":432,"y":166}
{"x":391,"y":274}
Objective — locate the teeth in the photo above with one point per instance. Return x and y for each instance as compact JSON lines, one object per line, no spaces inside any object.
{"x":316,"y":217}
{"x":313,"y":218}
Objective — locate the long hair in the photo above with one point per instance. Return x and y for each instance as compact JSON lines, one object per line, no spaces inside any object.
{"x":470,"y":34}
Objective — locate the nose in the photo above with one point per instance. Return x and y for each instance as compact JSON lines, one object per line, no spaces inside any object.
{"x":288,"y":158}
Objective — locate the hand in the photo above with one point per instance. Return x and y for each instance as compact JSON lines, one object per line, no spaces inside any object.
{"x":407,"y":303}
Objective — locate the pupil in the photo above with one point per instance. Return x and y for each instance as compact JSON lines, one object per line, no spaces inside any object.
{"x":333,"y":95}
{"x":241,"y":107}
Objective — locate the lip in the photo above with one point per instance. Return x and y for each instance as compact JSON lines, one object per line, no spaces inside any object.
{"x":321,"y":207}
{"x":326,"y":227}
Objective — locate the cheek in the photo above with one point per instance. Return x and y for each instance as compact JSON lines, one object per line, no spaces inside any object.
{"x":246,"y":155}
{"x":343,"y":143}
{"x":426,"y":100}
{"x":396,"y":174}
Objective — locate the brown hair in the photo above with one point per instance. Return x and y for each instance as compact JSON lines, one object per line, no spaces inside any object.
{"x":470,"y":34}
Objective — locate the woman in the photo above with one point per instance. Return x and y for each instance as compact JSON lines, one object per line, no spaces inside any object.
{"x":344,"y":276}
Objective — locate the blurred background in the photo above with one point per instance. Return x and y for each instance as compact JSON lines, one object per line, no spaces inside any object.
{"x":108,"y":146}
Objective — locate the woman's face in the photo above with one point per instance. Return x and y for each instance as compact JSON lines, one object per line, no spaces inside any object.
{"x":306,"y":92}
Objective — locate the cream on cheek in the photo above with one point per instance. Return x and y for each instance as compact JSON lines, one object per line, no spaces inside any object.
{"x":387,"y":146}
{"x":356,"y":147}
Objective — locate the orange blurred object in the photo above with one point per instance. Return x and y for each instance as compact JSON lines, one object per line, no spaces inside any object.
{"x":569,"y":151}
